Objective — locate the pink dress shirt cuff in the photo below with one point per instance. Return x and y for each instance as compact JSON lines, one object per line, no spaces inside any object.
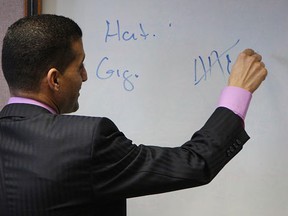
{"x":235,"y":99}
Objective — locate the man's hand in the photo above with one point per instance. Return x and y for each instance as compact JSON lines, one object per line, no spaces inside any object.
{"x":248,"y":72}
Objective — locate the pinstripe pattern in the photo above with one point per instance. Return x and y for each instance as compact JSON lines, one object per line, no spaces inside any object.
{"x":71,"y":165}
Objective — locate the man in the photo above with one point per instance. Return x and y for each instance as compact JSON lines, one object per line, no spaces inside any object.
{"x":52,"y":164}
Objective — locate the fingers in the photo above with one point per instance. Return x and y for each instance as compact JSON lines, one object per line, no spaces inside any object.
{"x":257,"y":57}
{"x":264,"y":71}
{"x":262,"y":64}
{"x":251,"y":52}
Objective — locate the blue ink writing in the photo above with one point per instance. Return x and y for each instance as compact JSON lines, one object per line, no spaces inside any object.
{"x":125,"y":74}
{"x":208,"y":69}
{"x":124,"y":35}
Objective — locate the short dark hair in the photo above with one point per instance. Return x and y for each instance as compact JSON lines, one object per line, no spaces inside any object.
{"x":33,"y":45}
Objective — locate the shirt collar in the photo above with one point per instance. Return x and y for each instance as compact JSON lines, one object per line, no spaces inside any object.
{"x":14,"y":100}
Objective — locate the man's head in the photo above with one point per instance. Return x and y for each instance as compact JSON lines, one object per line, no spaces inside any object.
{"x":37,"y":53}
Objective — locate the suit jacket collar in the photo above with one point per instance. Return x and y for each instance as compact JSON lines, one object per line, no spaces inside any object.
{"x":22,"y":110}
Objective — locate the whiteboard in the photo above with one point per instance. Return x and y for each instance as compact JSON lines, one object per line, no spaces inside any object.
{"x":156,"y":68}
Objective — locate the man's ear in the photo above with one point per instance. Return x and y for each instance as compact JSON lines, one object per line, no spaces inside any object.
{"x":53,"y":77}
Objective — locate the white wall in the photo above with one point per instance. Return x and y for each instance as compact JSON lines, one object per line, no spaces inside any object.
{"x":10,"y":11}
{"x":168,"y":101}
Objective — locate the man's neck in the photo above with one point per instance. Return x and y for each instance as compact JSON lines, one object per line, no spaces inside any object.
{"x":25,"y":100}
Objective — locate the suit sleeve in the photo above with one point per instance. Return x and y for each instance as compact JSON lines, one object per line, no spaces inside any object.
{"x":121,"y":169}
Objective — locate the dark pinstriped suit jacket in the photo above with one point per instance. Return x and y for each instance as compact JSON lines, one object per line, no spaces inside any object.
{"x":74,"y":165}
